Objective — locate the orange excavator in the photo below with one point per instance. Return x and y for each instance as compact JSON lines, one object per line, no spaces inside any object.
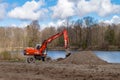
{"x":39,"y":53}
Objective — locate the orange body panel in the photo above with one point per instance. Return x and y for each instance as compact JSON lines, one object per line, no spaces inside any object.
{"x":32,"y":51}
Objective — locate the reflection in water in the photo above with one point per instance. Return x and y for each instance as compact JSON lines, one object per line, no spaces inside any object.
{"x":109,"y":56}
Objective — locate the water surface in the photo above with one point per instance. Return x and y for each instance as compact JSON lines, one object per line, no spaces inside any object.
{"x":109,"y":56}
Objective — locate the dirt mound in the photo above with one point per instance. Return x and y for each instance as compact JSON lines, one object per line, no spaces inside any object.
{"x":83,"y":57}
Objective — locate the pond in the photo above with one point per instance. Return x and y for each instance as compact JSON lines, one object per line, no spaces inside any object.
{"x":56,"y":54}
{"x":109,"y":56}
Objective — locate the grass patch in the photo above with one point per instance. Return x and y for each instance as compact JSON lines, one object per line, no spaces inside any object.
{"x":8,"y":56}
{"x":5,"y":55}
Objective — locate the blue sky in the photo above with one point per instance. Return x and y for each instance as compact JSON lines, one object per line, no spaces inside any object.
{"x":55,"y":12}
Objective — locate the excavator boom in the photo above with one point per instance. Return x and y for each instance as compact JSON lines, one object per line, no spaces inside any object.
{"x":50,"y":39}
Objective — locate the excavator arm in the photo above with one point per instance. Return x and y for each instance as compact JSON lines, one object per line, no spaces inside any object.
{"x":50,"y":39}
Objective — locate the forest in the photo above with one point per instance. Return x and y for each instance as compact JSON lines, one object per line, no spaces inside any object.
{"x":84,"y":34}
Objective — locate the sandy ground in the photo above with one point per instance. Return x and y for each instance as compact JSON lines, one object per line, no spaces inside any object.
{"x":61,"y":70}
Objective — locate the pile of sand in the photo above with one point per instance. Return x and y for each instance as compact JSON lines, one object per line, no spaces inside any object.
{"x":83,"y":57}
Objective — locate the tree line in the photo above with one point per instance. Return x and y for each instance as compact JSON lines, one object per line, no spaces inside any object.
{"x":84,"y":34}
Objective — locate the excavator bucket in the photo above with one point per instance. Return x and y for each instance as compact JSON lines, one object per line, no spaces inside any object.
{"x":68,"y":53}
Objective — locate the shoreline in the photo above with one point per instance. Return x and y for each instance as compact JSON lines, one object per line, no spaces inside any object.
{"x":83,"y":50}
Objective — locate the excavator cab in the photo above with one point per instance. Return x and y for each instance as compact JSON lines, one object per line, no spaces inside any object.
{"x":38,"y":46}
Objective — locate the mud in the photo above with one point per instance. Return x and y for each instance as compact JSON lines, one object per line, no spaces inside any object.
{"x":60,"y":70}
{"x":83,"y":57}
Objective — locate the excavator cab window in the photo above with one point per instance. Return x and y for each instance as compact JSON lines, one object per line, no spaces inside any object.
{"x":38,"y":46}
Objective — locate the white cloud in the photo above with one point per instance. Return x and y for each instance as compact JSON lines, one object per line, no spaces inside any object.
{"x":13,"y":25}
{"x":66,"y":8}
{"x":63,"y":9}
{"x":101,"y":7}
{"x":85,"y":7}
{"x":22,"y":25}
{"x":31,"y":10}
{"x":3,"y":7}
{"x":115,"y":19}
{"x":51,"y":24}
{"x":61,"y":23}
{"x":107,"y":8}
{"x":54,"y":24}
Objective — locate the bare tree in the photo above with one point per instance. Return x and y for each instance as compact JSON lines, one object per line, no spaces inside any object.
{"x":33,"y":33}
